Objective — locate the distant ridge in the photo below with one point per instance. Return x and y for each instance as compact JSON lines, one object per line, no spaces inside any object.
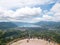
{"x":48,"y":24}
{"x":7,"y":25}
{"x":41,"y":24}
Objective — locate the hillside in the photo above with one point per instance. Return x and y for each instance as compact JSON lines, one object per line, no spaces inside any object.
{"x":43,"y":25}
{"x":7,"y":25}
{"x":49,"y":24}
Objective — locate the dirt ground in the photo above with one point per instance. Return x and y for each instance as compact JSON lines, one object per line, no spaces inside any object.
{"x":33,"y":42}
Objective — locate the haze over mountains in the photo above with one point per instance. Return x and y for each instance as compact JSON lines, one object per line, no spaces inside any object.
{"x":7,"y":25}
{"x":41,"y":24}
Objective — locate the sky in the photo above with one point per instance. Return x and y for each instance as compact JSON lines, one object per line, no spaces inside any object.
{"x":30,"y":11}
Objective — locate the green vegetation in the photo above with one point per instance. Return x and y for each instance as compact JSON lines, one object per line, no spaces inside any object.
{"x":7,"y":36}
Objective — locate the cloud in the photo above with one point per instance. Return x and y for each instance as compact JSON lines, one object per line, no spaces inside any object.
{"x":43,"y":18}
{"x":54,"y":13}
{"x":23,"y":3}
{"x":22,"y":14}
{"x":26,"y":10}
{"x":56,"y":8}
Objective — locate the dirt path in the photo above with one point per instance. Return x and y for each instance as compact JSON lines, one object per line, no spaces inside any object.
{"x":33,"y":42}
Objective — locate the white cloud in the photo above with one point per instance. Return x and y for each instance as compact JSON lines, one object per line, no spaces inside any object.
{"x":25,"y":13}
{"x":23,"y":3}
{"x":45,"y":18}
{"x":54,"y":13}
{"x":56,"y":8}
{"x":22,"y":14}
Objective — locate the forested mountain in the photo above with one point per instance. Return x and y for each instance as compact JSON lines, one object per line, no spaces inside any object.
{"x":7,"y":25}
{"x":49,"y":24}
{"x":13,"y":31}
{"x":42,"y":24}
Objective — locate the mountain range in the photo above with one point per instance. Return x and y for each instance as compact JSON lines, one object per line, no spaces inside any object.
{"x":41,"y":24}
